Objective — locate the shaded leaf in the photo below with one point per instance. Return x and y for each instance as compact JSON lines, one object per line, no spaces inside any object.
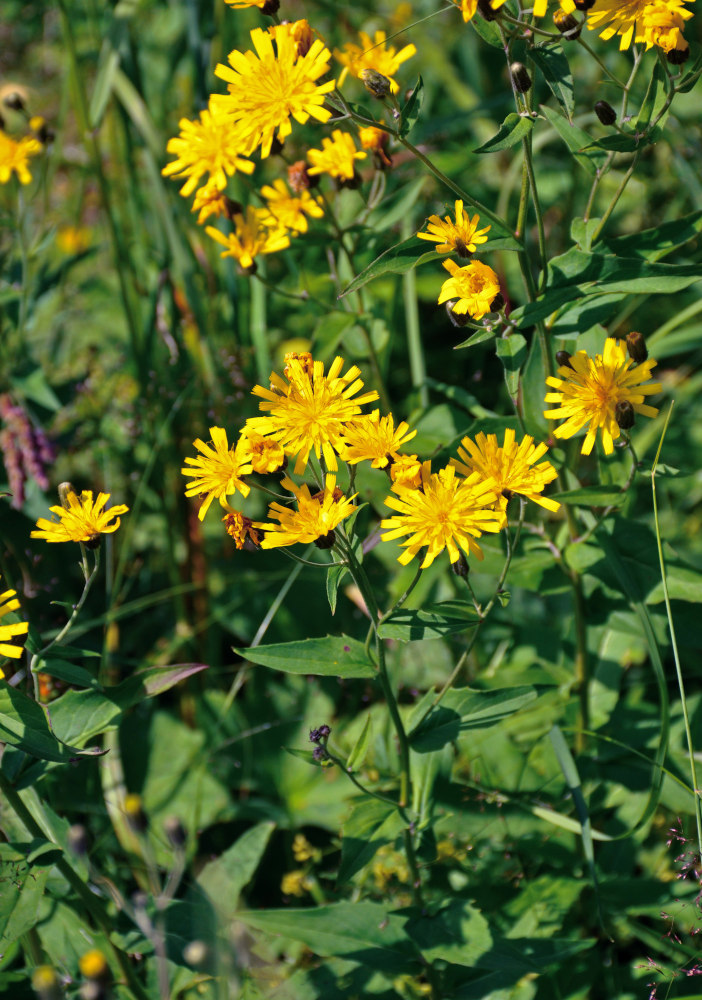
{"x":370,"y":825}
{"x":360,"y":747}
{"x":224,"y":878}
{"x":437,"y":621}
{"x":465,"y":708}
{"x":512,"y":130}
{"x":333,"y":656}
{"x":410,"y":113}
{"x":553,"y":66}
{"x":23,"y":724}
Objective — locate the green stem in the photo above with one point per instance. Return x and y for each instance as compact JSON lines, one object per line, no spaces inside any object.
{"x":366,"y":791}
{"x":90,"y":901}
{"x":617,"y":195}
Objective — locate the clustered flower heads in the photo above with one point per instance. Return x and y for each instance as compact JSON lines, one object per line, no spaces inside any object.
{"x":313,"y":420}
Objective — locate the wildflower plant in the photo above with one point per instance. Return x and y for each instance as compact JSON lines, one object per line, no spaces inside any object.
{"x":391,"y":676}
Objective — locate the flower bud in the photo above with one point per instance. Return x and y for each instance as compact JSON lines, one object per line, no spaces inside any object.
{"x":521,"y":80}
{"x":270,"y":7}
{"x":563,"y":359}
{"x":460,"y":567}
{"x":568,"y":26}
{"x":175,"y":831}
{"x":676,"y":57}
{"x":624,"y":414}
{"x":93,"y":965}
{"x":636,"y":346}
{"x":14,"y":101}
{"x":375,"y":83}
{"x":77,"y":838}
{"x":46,"y":984}
{"x":486,"y":11}
{"x":322,"y":733}
{"x":458,"y":319}
{"x":134,"y":812}
{"x":326,"y":541}
{"x":497,"y":303}
{"x":605,"y":112}
{"x":584,"y":4}
{"x":196,"y":953}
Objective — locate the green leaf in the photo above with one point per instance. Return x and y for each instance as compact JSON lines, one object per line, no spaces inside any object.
{"x":437,"y":621}
{"x":410,"y":113}
{"x":335,"y":574}
{"x":581,"y":232}
{"x":553,"y":66}
{"x":306,"y":755}
{"x":333,"y":656}
{"x":593,"y":496}
{"x":512,"y":352}
{"x":22,"y":891}
{"x":370,"y":826}
{"x":35,"y":386}
{"x":488,"y":31}
{"x":24,"y":725}
{"x":399,"y":259}
{"x":360,"y":747}
{"x":512,"y":130}
{"x":458,"y":934}
{"x":368,"y":933}
{"x":465,"y":708}
{"x":652,"y":244}
{"x":575,"y":139}
{"x":478,"y":337}
{"x":655,"y":98}
{"x":224,"y":878}
{"x":66,"y":672}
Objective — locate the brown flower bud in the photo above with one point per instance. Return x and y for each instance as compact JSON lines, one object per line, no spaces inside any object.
{"x":13,"y":101}
{"x":563,"y":359}
{"x":457,"y":319}
{"x":461,"y":567}
{"x":299,"y":179}
{"x":624,"y":414}
{"x":497,"y":303}
{"x":676,"y":57}
{"x":326,"y":541}
{"x":375,"y":83}
{"x":270,"y":7}
{"x":520,"y":77}
{"x":636,"y":346}
{"x":605,"y":112}
{"x":568,"y":26}
{"x":584,"y":4}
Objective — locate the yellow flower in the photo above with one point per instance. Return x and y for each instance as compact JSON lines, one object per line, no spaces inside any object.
{"x":307,"y":410}
{"x":314,"y":520}
{"x":93,"y":964}
{"x":239,"y":527}
{"x":265,"y":6}
{"x":290,"y":211}
{"x":406,"y":470}
{"x":447,"y":512}
{"x":374,"y":439}
{"x":303,"y":850}
{"x":295,"y":883}
{"x":539,"y":9}
{"x":252,"y":236}
{"x":84,"y":520}
{"x":593,"y":391}
{"x":476,"y":287}
{"x":461,"y":236}
{"x":335,"y":157}
{"x":468,"y":8}
{"x":209,"y":200}
{"x":510,"y":467}
{"x":301,"y":34}
{"x":268,"y":87}
{"x":376,"y":139}
{"x":265,"y":454}
{"x":73,"y":239}
{"x":217,"y":472}
{"x":210,"y":146}
{"x":14,"y":155}
{"x":639,"y":20}
{"x":375,"y":55}
{"x":8,"y":603}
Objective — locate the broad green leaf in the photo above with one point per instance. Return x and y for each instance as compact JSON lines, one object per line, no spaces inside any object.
{"x":333,"y":656}
{"x":512,"y":130}
{"x":370,"y":825}
{"x":360,"y":747}
{"x":553,"y":65}
{"x":437,"y":621}
{"x":23,"y":724}
{"x":575,"y":139}
{"x":458,"y":933}
{"x":365,"y":932}
{"x":67,"y":672}
{"x":512,"y":352}
{"x":652,"y":244}
{"x":410,"y":112}
{"x":593,"y":496}
{"x":465,"y":708}
{"x":224,"y":878}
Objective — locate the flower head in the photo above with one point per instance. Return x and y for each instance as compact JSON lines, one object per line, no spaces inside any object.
{"x":476,"y":286}
{"x":209,"y":200}
{"x":336,"y":157}
{"x":265,"y":454}
{"x":406,"y":470}
{"x":209,"y":146}
{"x":655,"y":23}
{"x":8,"y":603}
{"x":241,"y":528}
{"x":265,"y":6}
{"x":376,"y":139}
{"x":446,"y":512}
{"x":461,"y":236}
{"x":14,"y":156}
{"x":290,"y":211}
{"x":375,"y":55}
{"x":374,"y":439}
{"x":82,"y":520}
{"x":314,"y":520}
{"x":217,"y":472}
{"x":511,"y":467}
{"x":252,"y":236}
{"x":590,"y":389}
{"x":269,"y":86}
{"x":308,"y":410}
{"x":301,"y":33}
{"x":467,"y":8}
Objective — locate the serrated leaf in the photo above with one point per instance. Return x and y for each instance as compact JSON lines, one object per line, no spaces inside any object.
{"x":553,"y":65}
{"x":360,"y":747}
{"x":433,"y":623}
{"x":512,"y":130}
{"x":410,"y":113}
{"x":333,"y":656}
{"x":463,"y":709}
